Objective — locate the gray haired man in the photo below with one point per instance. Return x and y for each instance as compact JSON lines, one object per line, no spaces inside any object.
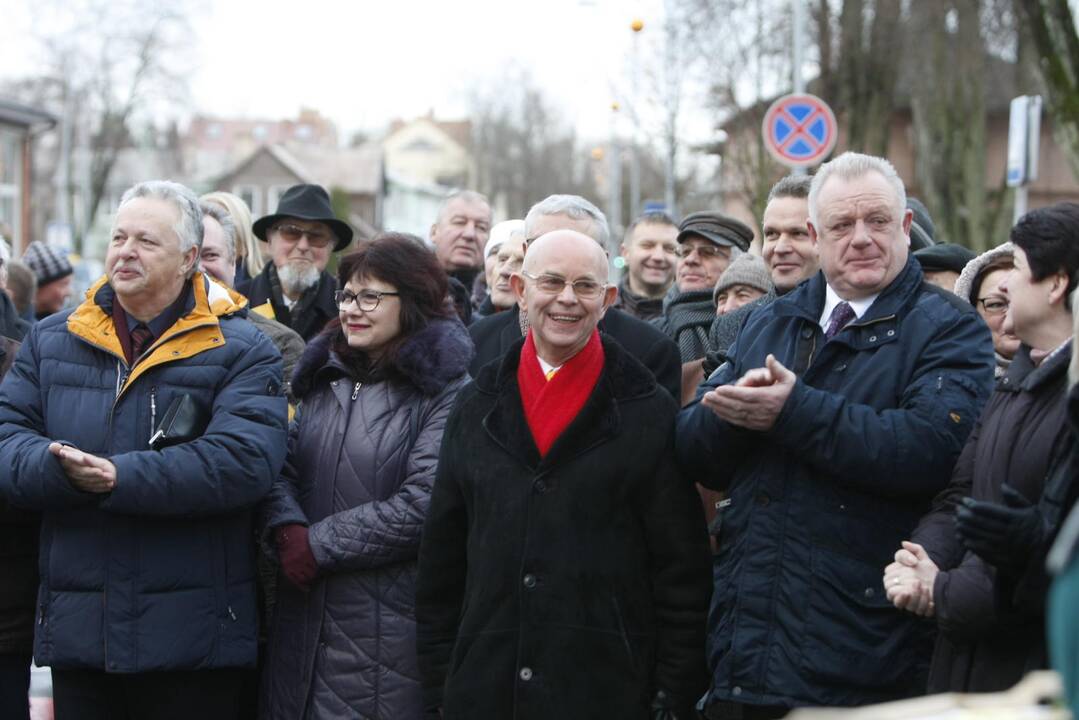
{"x":145,"y":424}
{"x":836,"y":419}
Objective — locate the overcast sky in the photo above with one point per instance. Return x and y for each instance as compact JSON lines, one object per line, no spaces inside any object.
{"x":364,"y":62}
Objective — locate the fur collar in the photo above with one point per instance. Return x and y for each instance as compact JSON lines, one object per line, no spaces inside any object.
{"x":429,"y":360}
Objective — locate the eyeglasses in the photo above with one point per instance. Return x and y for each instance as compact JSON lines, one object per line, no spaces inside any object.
{"x":704,"y":252}
{"x":293,"y":233}
{"x":366,"y":300}
{"x":584,"y":288}
{"x":994,"y":306}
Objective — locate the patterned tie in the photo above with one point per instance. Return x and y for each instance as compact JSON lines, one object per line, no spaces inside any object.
{"x":141,"y":338}
{"x":841,"y":315}
{"x":549,"y":374}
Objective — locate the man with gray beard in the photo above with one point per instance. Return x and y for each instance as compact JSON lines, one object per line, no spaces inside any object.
{"x":294,"y":287}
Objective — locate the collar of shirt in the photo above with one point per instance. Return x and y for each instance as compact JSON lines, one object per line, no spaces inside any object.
{"x":166,"y":318}
{"x":547,"y":367}
{"x":831,"y":299}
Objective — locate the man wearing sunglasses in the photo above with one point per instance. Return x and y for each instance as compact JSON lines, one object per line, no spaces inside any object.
{"x":294,"y":287}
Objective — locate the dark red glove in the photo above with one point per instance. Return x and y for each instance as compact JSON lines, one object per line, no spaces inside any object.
{"x":297,"y":560}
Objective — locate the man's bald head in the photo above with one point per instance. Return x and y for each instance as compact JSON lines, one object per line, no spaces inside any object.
{"x":558,"y":242}
{"x":563,"y":291}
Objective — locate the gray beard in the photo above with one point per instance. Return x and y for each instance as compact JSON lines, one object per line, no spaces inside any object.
{"x":296,"y":282}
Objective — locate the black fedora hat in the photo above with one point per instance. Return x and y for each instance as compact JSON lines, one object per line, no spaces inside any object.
{"x":306,"y":202}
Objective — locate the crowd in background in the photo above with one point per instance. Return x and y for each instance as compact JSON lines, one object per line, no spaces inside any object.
{"x":468,"y":476}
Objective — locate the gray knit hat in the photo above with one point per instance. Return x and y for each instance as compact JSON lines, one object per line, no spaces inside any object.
{"x":745,"y":270}
{"x":48,"y":265}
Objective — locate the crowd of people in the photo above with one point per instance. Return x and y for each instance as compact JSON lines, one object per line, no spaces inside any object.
{"x":264,"y":470}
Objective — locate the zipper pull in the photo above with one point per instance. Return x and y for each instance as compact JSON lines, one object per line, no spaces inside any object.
{"x":231,"y":614}
{"x":153,"y":413}
{"x":356,"y":390}
{"x":41,"y":615}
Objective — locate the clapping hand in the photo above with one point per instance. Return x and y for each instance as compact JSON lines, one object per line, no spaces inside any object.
{"x":755,"y":401}
{"x":85,"y":472}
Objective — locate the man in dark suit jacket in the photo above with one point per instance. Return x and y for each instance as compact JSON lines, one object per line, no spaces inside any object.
{"x":494,"y":335}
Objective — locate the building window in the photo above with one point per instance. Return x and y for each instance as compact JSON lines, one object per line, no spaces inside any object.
{"x":259,"y":132}
{"x":250,"y":194}
{"x":213,"y":131}
{"x":10,"y":183}
{"x":304,"y":132}
{"x":273,"y":195}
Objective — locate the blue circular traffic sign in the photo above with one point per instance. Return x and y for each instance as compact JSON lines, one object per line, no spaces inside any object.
{"x":800,"y":130}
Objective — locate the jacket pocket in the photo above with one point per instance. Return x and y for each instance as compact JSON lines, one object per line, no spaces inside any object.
{"x":854,"y":636}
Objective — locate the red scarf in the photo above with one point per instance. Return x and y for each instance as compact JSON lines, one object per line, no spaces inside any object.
{"x":551,"y":405}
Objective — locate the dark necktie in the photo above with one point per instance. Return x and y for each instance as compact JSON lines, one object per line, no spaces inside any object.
{"x":141,"y":338}
{"x":841,"y":315}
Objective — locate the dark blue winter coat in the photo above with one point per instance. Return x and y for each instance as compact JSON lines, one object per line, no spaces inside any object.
{"x":819,"y":504}
{"x":159,"y":574}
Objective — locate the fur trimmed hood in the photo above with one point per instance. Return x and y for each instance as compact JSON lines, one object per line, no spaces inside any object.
{"x":430,"y":359}
{"x":965,"y":282}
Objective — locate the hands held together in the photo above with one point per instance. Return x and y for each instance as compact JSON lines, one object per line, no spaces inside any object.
{"x":909,"y":580}
{"x":85,"y":472}
{"x":755,"y":401}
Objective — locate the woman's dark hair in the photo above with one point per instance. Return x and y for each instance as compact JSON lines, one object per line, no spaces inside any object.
{"x":1050,"y":238}
{"x":402,"y":260}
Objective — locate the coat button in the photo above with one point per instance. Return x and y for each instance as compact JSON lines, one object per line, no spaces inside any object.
{"x":530,"y":581}
{"x":525,"y":674}
{"x":736,"y":691}
{"x":541,"y":486}
{"x":870,"y":592}
{"x":763,"y":499}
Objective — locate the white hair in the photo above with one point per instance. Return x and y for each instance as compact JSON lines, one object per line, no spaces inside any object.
{"x":851,"y":166}
{"x":469,"y":196}
{"x":189,"y":228}
{"x":572,"y":206}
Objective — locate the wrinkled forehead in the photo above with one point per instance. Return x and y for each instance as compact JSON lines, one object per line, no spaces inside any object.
{"x":869,"y":192}
{"x":568,"y":255}
{"x":475,"y":210}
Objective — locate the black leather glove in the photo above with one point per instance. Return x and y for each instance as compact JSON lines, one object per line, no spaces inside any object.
{"x":1006,"y":536}
{"x":665,"y":708}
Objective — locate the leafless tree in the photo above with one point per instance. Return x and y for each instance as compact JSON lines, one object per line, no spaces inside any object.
{"x":105,"y":67}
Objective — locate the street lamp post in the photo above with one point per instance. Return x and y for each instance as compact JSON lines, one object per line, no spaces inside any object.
{"x":635,"y":115}
{"x":614,"y":180}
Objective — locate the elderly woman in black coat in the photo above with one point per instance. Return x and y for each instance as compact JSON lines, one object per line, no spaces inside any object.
{"x":375,"y":389}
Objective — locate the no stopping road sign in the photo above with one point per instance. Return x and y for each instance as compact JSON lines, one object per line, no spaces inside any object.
{"x":799,"y":130}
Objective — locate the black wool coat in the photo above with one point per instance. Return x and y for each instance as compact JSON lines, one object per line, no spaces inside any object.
{"x":982,"y":646}
{"x":494,"y":335}
{"x":572,"y":586}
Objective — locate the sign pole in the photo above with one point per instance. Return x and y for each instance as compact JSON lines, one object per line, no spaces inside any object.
{"x":797,"y":51}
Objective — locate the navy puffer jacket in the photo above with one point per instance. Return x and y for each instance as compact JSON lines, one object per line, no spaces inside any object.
{"x":362,"y":460}
{"x":159,"y":574}
{"x":819,"y":504}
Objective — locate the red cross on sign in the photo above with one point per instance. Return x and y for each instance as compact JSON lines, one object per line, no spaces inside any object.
{"x":800,"y":130}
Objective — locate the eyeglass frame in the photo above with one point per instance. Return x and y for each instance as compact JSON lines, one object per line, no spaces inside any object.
{"x":713,"y":250}
{"x":323,"y":240}
{"x":536,"y":278}
{"x":993,"y":312}
{"x":340,"y":297}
